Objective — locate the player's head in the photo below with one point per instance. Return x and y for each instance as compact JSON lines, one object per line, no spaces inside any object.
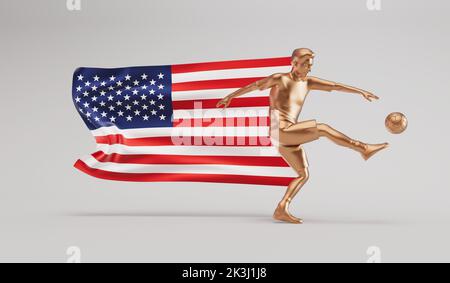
{"x":302,"y":61}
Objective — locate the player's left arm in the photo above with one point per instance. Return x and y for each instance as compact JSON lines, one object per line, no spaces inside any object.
{"x":324,"y":85}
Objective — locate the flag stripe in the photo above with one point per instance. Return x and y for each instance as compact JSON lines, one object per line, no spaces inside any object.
{"x":233,"y":64}
{"x":270,"y":161}
{"x":190,"y":150}
{"x":174,"y":177}
{"x":214,"y":84}
{"x":186,"y":140}
{"x":227,"y":74}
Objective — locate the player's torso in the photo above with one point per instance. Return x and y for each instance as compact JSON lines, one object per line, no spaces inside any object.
{"x":288,"y":97}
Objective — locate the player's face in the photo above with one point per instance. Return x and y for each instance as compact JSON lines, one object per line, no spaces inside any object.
{"x":303,"y":66}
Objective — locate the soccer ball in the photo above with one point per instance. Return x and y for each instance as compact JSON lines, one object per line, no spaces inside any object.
{"x":396,"y":123}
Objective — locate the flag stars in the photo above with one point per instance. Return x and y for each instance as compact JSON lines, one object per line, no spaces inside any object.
{"x":119,"y":83}
{"x":152,"y":102}
{"x":129,"y":118}
{"x":152,"y":82}
{"x":119,"y":92}
{"x":104,"y":114}
{"x":161,"y":86}
{"x":94,"y":98}
{"x":136,"y":82}
{"x":127,"y":77}
{"x":162,"y":117}
{"x":143,"y":97}
{"x":161,"y":107}
{"x":80,"y":77}
{"x":112,"y":78}
{"x":160,"y":97}
{"x":120,"y":113}
{"x":111,"y":88}
{"x":86,"y":105}
{"x":86,"y":94}
{"x":146,"y":117}
{"x":126,"y":97}
{"x":135,"y":103}
{"x":103,"y":83}
{"x":96,"y":78}
{"x":135,"y":92}
{"x":153,"y":112}
{"x":128,"y":107}
{"x":112,"y":119}
{"x":144,"y":87}
{"x":161,"y":76}
{"x":94,"y":88}
{"x":79,"y":88}
{"x":77,"y":99}
{"x":88,"y":83}
{"x":102,"y":93}
{"x":97,"y":119}
{"x":110,"y":98}
{"x":102,"y":104}
{"x":137,"y":113}
{"x":152,"y":91}
{"x":144,"y":76}
{"x":95,"y":109}
{"x":144,"y":107}
{"x":111,"y":108}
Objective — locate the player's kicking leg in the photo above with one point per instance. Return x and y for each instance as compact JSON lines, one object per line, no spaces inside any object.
{"x":366,"y":150}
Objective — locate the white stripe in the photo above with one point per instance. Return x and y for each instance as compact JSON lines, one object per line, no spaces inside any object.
{"x":213,"y":94}
{"x":190,"y":169}
{"x":220,"y":113}
{"x":228,"y":74}
{"x":261,"y":131}
{"x":191,"y":150}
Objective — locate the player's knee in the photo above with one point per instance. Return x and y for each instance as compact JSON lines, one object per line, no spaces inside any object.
{"x":304,"y":173}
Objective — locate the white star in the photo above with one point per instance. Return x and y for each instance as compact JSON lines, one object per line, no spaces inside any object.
{"x":112,"y":119}
{"x":80,"y":77}
{"x":162,"y":117}
{"x":102,"y":93}
{"x":79,"y":88}
{"x":97,"y":119}
{"x":160,"y":96}
{"x":88,"y":114}
{"x":136,"y":102}
{"x":95,"y":109}
{"x":137,"y":112}
{"x":152,"y":91}
{"x":145,"y":107}
{"x":94,"y":88}
{"x":86,"y":105}
{"x":111,"y":88}
{"x":111,"y":108}
{"x":88,"y":83}
{"x":161,"y":76}
{"x":103,"y":114}
{"x":102,"y":104}
{"x":94,"y":98}
{"x":119,"y":83}
{"x":136,"y":82}
{"x":152,"y":102}
{"x":127,"y":97}
{"x":96,"y":78}
{"x":120,"y":113}
{"x":146,"y":118}
{"x":103,"y":83}
{"x":160,"y":87}
{"x":127,"y":77}
{"x":135,"y":92}
{"x":144,"y":87}
{"x":112,"y":78}
{"x":119,"y":92}
{"x":77,"y":99}
{"x":110,"y":98}
{"x":153,"y":112}
{"x":161,"y":107}
{"x":128,"y":107}
{"x":152,"y":82}
{"x":129,"y":118}
{"x":143,"y":97}
{"x":85,"y":94}
{"x":128,"y":87}
{"x":144,"y":76}
{"x":119,"y":103}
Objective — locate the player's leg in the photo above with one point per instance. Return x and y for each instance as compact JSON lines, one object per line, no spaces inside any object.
{"x":296,"y":158}
{"x":366,"y":150}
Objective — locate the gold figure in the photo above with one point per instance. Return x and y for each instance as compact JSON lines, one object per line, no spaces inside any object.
{"x":287,"y":95}
{"x":396,"y":123}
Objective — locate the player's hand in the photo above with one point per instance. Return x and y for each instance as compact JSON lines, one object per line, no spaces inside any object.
{"x":225,"y":102}
{"x":369,"y":96}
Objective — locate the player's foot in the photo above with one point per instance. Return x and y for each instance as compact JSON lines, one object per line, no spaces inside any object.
{"x":371,"y":149}
{"x":282,"y":214}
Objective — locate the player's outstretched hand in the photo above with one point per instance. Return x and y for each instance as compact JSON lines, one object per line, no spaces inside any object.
{"x":225,"y":102}
{"x":370,"y":96}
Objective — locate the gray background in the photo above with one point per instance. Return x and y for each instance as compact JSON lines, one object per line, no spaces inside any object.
{"x":398,"y":201}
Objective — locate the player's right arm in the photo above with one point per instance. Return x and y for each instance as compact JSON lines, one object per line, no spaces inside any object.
{"x":261,"y":85}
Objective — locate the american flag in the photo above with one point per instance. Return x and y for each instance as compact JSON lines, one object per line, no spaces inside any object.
{"x":161,"y":124}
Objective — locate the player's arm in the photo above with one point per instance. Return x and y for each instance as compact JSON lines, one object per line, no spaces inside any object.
{"x":321,"y":84}
{"x":262,"y":84}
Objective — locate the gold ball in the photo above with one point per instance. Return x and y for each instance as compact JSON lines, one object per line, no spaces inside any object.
{"x":396,"y":123}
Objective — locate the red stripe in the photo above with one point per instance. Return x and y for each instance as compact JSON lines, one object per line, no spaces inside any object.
{"x":214,"y":84}
{"x":177,"y":177}
{"x":185,"y":141}
{"x":219,"y":122}
{"x":211,"y":103}
{"x":272,"y":161}
{"x":234,"y":64}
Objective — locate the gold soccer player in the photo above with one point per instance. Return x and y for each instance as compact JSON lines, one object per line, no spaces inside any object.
{"x":287,"y":95}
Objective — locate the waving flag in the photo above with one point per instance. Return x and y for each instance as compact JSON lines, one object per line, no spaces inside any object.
{"x":161,"y":124}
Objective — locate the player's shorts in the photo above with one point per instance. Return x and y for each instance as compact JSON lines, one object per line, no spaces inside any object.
{"x":290,"y":138}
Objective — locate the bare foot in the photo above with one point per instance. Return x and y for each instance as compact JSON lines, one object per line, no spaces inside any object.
{"x":372,"y":149}
{"x":282,"y":214}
